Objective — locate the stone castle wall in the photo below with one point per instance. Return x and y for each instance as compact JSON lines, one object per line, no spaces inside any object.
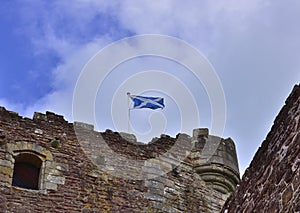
{"x":272,"y":181}
{"x":87,"y":171}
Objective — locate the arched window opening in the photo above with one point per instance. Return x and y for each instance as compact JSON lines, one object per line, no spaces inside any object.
{"x":27,"y":171}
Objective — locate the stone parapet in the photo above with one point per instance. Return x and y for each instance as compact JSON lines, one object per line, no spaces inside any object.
{"x":83,"y":170}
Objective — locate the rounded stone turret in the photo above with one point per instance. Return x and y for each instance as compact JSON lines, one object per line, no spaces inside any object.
{"x":215,"y":160}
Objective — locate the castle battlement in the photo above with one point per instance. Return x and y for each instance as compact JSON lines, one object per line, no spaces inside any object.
{"x":48,"y":164}
{"x":71,"y":156}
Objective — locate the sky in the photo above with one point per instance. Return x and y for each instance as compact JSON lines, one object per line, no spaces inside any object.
{"x":253,"y":47}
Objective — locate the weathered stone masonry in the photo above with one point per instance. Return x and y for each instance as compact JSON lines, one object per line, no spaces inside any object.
{"x":272,"y":181}
{"x":73,"y":180}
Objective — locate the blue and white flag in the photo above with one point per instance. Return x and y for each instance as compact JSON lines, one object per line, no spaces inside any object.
{"x":140,"y":102}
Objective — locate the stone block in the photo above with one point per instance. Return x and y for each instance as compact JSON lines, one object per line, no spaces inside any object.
{"x":50,"y":186}
{"x":39,"y":116}
{"x":38,"y":131}
{"x":6,"y":171}
{"x":4,"y":178}
{"x":154,"y":197}
{"x":56,"y":179}
{"x":84,"y":126}
{"x":47,"y":154}
{"x":37,"y":148}
{"x":151,"y":170}
{"x":152,"y":163}
{"x":62,"y":167}
{"x":52,"y":171}
{"x":5,"y":163}
{"x":128,"y":137}
{"x":200,"y":132}
{"x":154,"y":184}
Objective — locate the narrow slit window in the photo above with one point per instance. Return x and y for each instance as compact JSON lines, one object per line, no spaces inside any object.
{"x":27,"y":171}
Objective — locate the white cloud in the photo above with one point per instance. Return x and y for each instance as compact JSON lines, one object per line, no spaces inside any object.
{"x":254,"y":46}
{"x":64,"y":80}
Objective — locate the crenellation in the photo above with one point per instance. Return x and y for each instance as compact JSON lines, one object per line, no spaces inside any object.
{"x":200,"y":132}
{"x":69,"y":168}
{"x":39,"y":116}
{"x":129,"y":137}
{"x":84,"y":126}
{"x":84,"y":170}
{"x":8,"y":115}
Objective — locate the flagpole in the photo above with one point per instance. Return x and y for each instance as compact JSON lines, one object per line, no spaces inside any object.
{"x":128,"y":95}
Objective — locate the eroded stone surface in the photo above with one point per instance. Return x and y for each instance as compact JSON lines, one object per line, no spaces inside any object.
{"x":78,"y":181}
{"x":79,"y":174}
{"x":271,"y":183}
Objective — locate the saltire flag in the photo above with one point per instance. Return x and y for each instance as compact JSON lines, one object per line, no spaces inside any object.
{"x":140,"y":102}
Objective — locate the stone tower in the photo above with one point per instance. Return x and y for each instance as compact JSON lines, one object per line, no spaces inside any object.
{"x":44,"y":168}
{"x":220,"y":171}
